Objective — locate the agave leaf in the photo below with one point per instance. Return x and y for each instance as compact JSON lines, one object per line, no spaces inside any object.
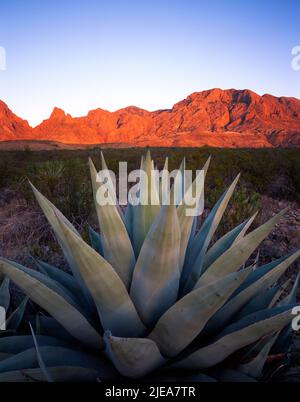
{"x":40,"y":358}
{"x":54,"y":356}
{"x":96,"y":242}
{"x":133,"y":357}
{"x":257,"y":274}
{"x":47,"y":281}
{"x":145,"y":213}
{"x":116,"y":310}
{"x":254,"y":368}
{"x":104,"y":166}
{"x":4,"y":356}
{"x":64,"y":279}
{"x":156,"y":276}
{"x":180,"y":183}
{"x":259,"y":302}
{"x":17,"y":344}
{"x":128,"y":220}
{"x":206,"y":165}
{"x":195,"y":259}
{"x":58,"y":374}
{"x":55,"y":304}
{"x":282,"y":341}
{"x":4,"y":295}
{"x":52,"y":214}
{"x":45,"y":325}
{"x":223,"y":316}
{"x":281,"y":290}
{"x":292,"y":296}
{"x":117,"y":248}
{"x":49,"y":209}
{"x":232,"y":340}
{"x":164,"y":184}
{"x":235,"y":257}
{"x":186,"y":224}
{"x":225,"y":242}
{"x":15,"y":319}
{"x":192,"y":312}
{"x":111,"y":185}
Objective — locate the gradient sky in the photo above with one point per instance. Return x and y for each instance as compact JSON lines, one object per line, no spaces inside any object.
{"x":84,"y":54}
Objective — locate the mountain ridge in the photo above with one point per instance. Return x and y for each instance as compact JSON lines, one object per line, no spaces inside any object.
{"x":215,"y":117}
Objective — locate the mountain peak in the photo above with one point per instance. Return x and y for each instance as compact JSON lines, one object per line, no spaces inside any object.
{"x":57,"y":114}
{"x":215,"y":117}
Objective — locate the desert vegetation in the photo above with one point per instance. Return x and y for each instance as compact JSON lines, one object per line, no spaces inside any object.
{"x":63,"y":178}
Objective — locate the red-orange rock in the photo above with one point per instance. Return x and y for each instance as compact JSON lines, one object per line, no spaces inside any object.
{"x":223,"y":118}
{"x":11,"y":126}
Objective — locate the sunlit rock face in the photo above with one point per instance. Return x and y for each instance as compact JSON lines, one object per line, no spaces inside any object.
{"x":221,"y":118}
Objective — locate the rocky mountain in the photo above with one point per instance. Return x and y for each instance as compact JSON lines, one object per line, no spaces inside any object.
{"x":11,"y":126}
{"x":222,"y":118}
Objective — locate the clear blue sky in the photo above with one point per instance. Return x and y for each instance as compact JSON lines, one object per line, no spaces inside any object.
{"x":84,"y":54}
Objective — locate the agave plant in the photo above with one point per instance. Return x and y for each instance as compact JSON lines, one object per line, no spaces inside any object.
{"x":151,"y":296}
{"x":12,"y":318}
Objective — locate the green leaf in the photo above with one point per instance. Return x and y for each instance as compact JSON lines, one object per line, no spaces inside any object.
{"x":96,"y":242}
{"x":17,"y":344}
{"x":54,"y":303}
{"x":133,"y":357}
{"x":55,"y":356}
{"x":227,"y":312}
{"x":191,"y":313}
{"x":164,"y":184}
{"x":15,"y":319}
{"x":236,"y":256}
{"x":4,"y":295}
{"x":145,"y":213}
{"x":65,"y":280}
{"x":180,"y":183}
{"x":230,"y":342}
{"x":259,"y":302}
{"x":116,"y":310}
{"x":225,"y":242}
{"x":40,"y":358}
{"x":257,"y":274}
{"x":53,"y":214}
{"x":283,"y":340}
{"x":45,"y":325}
{"x":186,"y":222}
{"x":4,"y":356}
{"x":195,"y":259}
{"x":254,"y":368}
{"x":117,"y":248}
{"x":156,"y":276}
{"x":292,"y":296}
{"x":47,"y":281}
{"x":128,"y":220}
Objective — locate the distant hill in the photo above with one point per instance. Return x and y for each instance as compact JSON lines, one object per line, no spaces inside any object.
{"x":220,"y":118}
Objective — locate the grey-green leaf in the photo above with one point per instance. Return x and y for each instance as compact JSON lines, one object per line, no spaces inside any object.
{"x":133,"y":357}
{"x":116,"y":244}
{"x":191,"y":313}
{"x":219,"y":350}
{"x":236,"y":256}
{"x":116,"y":310}
{"x":156,"y":276}
{"x":56,"y":305}
{"x":195,"y":259}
